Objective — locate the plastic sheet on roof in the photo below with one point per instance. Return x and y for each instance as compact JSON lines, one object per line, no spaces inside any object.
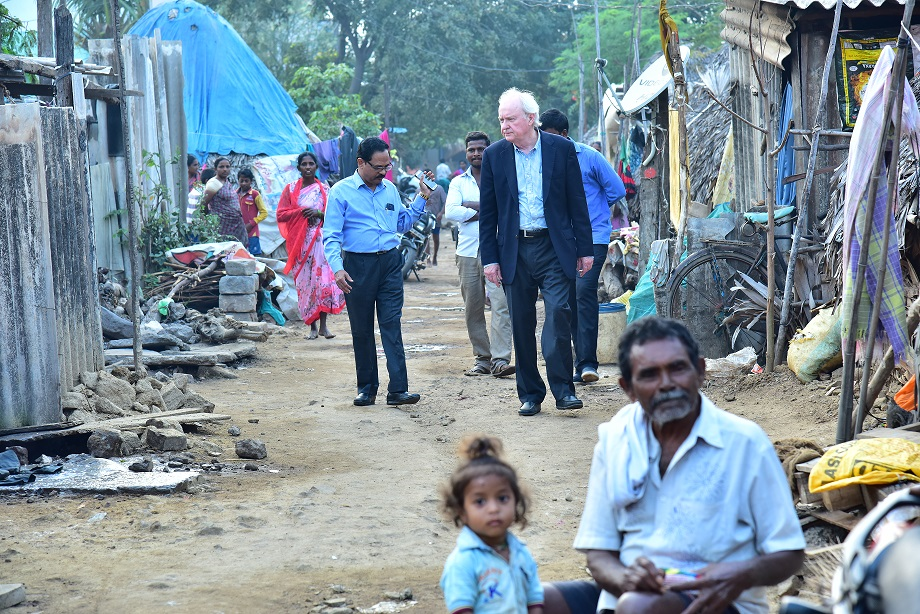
{"x":232,"y":101}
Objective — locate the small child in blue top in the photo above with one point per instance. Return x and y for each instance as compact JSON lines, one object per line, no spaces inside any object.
{"x":490,"y":570}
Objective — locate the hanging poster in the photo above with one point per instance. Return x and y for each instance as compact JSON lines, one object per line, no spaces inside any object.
{"x":857,"y":54}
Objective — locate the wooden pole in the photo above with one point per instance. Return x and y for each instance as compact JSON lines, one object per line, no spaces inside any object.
{"x":844,"y":428}
{"x":63,"y":45}
{"x":133,"y":249}
{"x":805,"y":195}
{"x":45,"y":14}
{"x":770,"y":197}
{"x":895,"y":91}
{"x":683,"y":164}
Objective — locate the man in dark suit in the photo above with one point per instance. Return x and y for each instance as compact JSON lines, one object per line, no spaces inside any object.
{"x":535,"y":234}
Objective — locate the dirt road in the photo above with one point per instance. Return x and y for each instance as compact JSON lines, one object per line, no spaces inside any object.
{"x":348,"y":496}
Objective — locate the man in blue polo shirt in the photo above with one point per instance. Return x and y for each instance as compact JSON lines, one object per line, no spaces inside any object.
{"x":364,"y":217}
{"x":603,"y":188}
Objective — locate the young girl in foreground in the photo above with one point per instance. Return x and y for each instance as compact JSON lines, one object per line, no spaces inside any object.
{"x":490,"y":570}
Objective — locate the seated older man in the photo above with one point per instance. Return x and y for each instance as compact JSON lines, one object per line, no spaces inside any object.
{"x":688,"y":510}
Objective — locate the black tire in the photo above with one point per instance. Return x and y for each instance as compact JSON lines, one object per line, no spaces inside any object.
{"x":409,"y":254}
{"x":700,"y":295}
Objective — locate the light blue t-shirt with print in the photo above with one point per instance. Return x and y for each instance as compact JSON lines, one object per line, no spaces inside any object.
{"x":476,"y":578}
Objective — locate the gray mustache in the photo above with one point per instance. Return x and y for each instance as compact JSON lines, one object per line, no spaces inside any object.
{"x":673,"y":395}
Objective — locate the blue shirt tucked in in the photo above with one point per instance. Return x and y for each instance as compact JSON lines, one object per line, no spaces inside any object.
{"x":476,"y":577}
{"x":529,"y":169}
{"x":365,"y":221}
{"x":603,"y":188}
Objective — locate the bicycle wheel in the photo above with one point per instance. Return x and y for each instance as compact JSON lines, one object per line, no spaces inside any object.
{"x":700,"y":295}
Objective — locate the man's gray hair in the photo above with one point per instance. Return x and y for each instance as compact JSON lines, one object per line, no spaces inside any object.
{"x":528,"y":102}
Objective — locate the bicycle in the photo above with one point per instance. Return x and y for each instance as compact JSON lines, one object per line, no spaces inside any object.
{"x":723,"y":286}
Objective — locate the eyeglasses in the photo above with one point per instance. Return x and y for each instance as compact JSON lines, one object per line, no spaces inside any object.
{"x":380,"y":169}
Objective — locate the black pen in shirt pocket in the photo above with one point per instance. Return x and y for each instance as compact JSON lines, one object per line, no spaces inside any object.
{"x":390,"y":207}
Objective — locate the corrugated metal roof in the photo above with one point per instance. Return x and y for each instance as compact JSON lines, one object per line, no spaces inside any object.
{"x":831,"y":4}
{"x":768,"y":29}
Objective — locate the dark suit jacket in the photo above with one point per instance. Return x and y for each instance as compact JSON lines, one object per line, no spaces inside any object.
{"x":564,"y":205}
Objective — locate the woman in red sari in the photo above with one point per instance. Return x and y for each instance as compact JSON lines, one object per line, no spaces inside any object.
{"x":300,"y":215}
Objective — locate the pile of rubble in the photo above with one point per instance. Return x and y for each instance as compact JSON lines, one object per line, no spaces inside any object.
{"x":102,"y":395}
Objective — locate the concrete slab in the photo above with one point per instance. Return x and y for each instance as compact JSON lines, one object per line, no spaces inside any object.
{"x":11,"y":594}
{"x":84,"y":474}
{"x":198,"y":354}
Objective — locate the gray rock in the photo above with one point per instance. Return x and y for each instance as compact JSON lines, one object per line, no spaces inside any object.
{"x":21,"y":453}
{"x":173,"y":398}
{"x":243,"y":266}
{"x":142,"y":466}
{"x":156,"y":383}
{"x":237,"y":302}
{"x":105,"y":443}
{"x":161,"y":377}
{"x":165,"y":440}
{"x":89,"y":379}
{"x":182,"y":381}
{"x":403,"y":595}
{"x":82,"y":416}
{"x":164,"y":423}
{"x":211,"y":531}
{"x":151,"y":340}
{"x":232,"y":284}
{"x":251,"y":467}
{"x":116,"y":327}
{"x":116,"y":390}
{"x":152,"y":399}
{"x":339,"y":610}
{"x":143,"y":385}
{"x":72,"y":400}
{"x":121,"y":373}
{"x":104,"y":406}
{"x":140,"y":408}
{"x":182,"y":459}
{"x":234,"y":431}
{"x":182,"y":331}
{"x":215,"y":372}
{"x":209,"y":447}
{"x":177,"y":311}
{"x":249,"y":316}
{"x":251,"y":448}
{"x":193,"y":399}
{"x":130,"y":443}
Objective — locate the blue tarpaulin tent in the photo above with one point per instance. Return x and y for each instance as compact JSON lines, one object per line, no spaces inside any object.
{"x":232,"y":101}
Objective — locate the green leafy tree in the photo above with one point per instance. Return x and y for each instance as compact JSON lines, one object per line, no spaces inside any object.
{"x":15,"y":38}
{"x":93,"y":18}
{"x":316,"y":91}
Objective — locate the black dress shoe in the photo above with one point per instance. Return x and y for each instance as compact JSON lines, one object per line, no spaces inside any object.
{"x":364,"y":399}
{"x":569,"y":402}
{"x":402,"y":398}
{"x":529,"y":408}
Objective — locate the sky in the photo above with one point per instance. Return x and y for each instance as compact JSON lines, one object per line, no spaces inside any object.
{"x":23,"y":9}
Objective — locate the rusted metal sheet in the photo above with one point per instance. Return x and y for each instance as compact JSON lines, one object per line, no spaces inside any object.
{"x":73,"y":251}
{"x":29,"y":364}
{"x":767,"y":29}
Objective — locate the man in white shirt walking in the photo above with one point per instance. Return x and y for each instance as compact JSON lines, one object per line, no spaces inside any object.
{"x":462,"y":206}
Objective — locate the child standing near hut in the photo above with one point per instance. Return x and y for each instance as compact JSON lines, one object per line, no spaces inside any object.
{"x":490,"y":570}
{"x":253,"y":208}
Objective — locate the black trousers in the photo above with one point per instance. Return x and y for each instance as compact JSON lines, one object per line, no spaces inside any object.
{"x":585,"y":315}
{"x":538,"y":268}
{"x":377,"y":285}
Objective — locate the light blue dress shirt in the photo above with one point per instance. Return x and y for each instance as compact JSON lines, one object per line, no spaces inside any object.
{"x":365,"y":221}
{"x":476,"y":577}
{"x":529,"y":169}
{"x":603,"y":188}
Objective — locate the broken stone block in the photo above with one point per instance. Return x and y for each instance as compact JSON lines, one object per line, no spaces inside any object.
{"x":72,"y":400}
{"x":209,"y":447}
{"x":22,"y":453}
{"x":89,"y":379}
{"x":105,"y":443}
{"x":156,"y":382}
{"x":120,"y":372}
{"x":81,"y":416}
{"x":141,"y":409}
{"x":251,"y":448}
{"x":11,"y":594}
{"x":104,"y":406}
{"x":114,"y":326}
{"x":237,"y":302}
{"x":116,"y":390}
{"x":172,"y":396}
{"x":182,"y":331}
{"x":243,"y":266}
{"x":231,"y":284}
{"x":130,"y":443}
{"x":164,"y":423}
{"x":234,"y":431}
{"x":215,"y":372}
{"x":165,"y":440}
{"x":142,"y":466}
{"x":152,"y":399}
{"x":177,"y":311}
{"x":143,"y":386}
{"x":193,"y":399}
{"x":182,"y":381}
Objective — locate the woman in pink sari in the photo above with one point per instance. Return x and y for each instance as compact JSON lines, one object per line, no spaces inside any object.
{"x":300,"y":219}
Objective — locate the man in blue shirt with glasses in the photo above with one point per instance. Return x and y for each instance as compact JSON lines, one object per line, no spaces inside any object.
{"x":364,"y":218}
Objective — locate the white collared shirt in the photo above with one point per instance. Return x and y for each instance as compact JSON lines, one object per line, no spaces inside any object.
{"x":724,"y":497}
{"x":463,"y":188}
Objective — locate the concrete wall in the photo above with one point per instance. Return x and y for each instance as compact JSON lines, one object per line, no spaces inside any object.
{"x":29,"y":363}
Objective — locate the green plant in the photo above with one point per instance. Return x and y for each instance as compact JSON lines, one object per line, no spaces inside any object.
{"x":15,"y":38}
